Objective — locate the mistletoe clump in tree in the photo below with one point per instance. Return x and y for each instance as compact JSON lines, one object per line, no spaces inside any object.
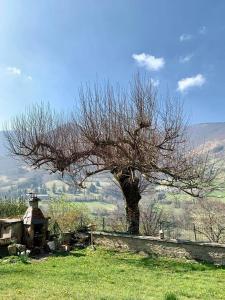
{"x":128,"y":133}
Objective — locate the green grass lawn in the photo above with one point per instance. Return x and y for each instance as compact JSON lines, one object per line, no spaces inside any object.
{"x":102,"y":274}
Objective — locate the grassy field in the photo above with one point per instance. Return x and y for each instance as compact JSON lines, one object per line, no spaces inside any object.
{"x":92,"y":206}
{"x":101,"y":274}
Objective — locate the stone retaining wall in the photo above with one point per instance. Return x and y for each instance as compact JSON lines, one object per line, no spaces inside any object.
{"x":207,"y":252}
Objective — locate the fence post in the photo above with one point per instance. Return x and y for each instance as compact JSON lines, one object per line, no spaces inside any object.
{"x":194,"y":229}
{"x":103,"y":223}
{"x":160,"y":226}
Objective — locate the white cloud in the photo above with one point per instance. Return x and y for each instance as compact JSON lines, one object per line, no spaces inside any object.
{"x":185,"y":37}
{"x":150,"y":62}
{"x":202,"y":30}
{"x":189,"y":82}
{"x":29,"y":77}
{"x":13,"y":71}
{"x":154,"y":82}
{"x":185,"y":59}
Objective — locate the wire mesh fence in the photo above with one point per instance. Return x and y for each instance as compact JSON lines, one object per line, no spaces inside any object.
{"x":189,"y":232}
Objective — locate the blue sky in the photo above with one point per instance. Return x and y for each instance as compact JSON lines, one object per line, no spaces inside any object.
{"x":48,"y":48}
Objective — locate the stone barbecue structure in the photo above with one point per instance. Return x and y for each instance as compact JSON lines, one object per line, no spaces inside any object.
{"x":31,"y":230}
{"x":35,"y":225}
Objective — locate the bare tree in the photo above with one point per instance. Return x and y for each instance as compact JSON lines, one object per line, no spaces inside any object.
{"x":128,"y":133}
{"x":117,"y":219}
{"x":208,"y":216}
{"x":151,"y":217}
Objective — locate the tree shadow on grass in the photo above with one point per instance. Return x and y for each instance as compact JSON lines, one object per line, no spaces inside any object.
{"x":63,"y":254}
{"x":11,"y":271}
{"x":169,"y":264}
{"x":44,"y":256}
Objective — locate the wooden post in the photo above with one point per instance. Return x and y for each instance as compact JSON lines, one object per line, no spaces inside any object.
{"x":195,"y":235}
{"x":103,"y":223}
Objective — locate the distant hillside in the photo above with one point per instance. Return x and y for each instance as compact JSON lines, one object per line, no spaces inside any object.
{"x":207,"y":132}
{"x":3,"y":145}
{"x":16,"y":178}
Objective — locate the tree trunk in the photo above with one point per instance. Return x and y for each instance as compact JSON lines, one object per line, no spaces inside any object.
{"x":131,"y":192}
{"x":133,"y":216}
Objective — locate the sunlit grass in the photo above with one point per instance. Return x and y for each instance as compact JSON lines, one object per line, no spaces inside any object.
{"x":101,"y":274}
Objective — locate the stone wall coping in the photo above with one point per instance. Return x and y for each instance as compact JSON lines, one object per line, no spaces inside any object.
{"x":157,"y":239}
{"x":11,"y":221}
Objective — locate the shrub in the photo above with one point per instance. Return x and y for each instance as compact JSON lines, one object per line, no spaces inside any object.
{"x":24,"y":258}
{"x":68,"y":215}
{"x":12,"y":207}
{"x":209,"y":219}
{"x":151,"y":216}
{"x":116,"y":221}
